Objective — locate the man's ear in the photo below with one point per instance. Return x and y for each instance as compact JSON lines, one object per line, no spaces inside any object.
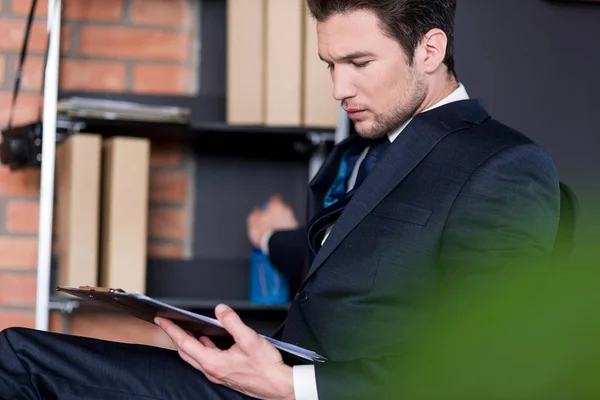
{"x":432,"y":50}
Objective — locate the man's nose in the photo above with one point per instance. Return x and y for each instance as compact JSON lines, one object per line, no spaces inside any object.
{"x":342,"y":86}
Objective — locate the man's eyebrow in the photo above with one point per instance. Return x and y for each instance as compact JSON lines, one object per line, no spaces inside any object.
{"x":350,"y":57}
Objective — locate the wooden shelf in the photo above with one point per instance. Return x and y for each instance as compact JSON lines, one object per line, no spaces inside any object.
{"x":181,"y":283}
{"x":22,"y":146}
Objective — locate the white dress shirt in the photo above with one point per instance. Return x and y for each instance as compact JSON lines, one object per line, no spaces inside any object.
{"x":305,"y":382}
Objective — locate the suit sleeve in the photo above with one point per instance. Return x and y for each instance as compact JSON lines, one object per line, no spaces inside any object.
{"x":506,"y":212}
{"x":287,"y":251}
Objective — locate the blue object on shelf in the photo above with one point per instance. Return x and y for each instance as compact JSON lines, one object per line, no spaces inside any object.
{"x":267,"y":285}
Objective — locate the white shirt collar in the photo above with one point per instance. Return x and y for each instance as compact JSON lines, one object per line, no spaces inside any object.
{"x":459,"y":94}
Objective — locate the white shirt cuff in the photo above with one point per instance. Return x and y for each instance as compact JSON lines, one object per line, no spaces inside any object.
{"x":305,"y":382}
{"x":264,"y":242}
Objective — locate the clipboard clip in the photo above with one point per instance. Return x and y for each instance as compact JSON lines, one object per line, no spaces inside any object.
{"x":100,"y":289}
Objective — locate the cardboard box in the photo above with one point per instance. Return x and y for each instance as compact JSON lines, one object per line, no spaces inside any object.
{"x":78,"y":166}
{"x":320,"y":109}
{"x":125,"y":213}
{"x":284,"y":40}
{"x":245,"y":62}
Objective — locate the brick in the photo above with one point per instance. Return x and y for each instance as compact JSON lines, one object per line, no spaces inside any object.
{"x":10,"y":318}
{"x":18,"y":253}
{"x":90,"y":10}
{"x":93,"y":10}
{"x":2,"y":69}
{"x":161,"y":12}
{"x":12,"y":33}
{"x":129,"y":43}
{"x":22,"y":216}
{"x":117,"y":328}
{"x":166,"y":155}
{"x":166,"y":223}
{"x":18,"y":289}
{"x":168,"y":187}
{"x":26,"y":111}
{"x":66,"y":38}
{"x":161,"y":79}
{"x":165,"y":250}
{"x":92,"y":75}
{"x":22,"y":7}
{"x":56,"y":322}
{"x":33,"y":73}
{"x":19,"y":183}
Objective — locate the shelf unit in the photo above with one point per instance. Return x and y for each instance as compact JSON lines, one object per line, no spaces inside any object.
{"x":206,"y":134}
{"x":214,"y":283}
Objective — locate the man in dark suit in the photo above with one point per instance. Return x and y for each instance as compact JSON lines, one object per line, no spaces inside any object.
{"x":432,"y":196}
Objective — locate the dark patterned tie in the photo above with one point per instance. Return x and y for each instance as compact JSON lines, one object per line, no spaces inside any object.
{"x":376,"y":149}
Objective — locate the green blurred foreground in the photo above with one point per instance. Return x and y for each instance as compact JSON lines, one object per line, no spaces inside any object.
{"x":531,"y":333}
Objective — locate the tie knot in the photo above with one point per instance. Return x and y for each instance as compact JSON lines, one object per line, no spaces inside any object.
{"x":377,"y":147}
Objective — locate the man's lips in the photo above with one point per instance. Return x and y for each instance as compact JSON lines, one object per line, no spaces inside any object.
{"x":354,"y":112}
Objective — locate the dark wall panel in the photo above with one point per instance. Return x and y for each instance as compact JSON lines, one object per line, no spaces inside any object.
{"x":536,"y":64}
{"x":227,"y":189}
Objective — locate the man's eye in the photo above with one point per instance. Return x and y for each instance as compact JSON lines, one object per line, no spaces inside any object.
{"x":361,"y":64}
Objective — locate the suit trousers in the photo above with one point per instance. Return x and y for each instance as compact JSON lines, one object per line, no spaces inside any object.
{"x":43,"y":365}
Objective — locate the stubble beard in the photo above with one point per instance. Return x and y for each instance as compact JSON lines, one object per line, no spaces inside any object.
{"x":386,"y":123}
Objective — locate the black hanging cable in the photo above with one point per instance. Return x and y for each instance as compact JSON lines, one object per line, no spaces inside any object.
{"x":21,"y":62}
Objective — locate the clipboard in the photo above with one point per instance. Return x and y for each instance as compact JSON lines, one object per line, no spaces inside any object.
{"x":146,"y":308}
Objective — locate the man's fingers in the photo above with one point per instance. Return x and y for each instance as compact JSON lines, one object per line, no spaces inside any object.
{"x":190,"y":360}
{"x":184,"y":341}
{"x":243,"y":335}
{"x":276,"y":198}
{"x":253,"y":217}
{"x":177,"y":335}
{"x":207,"y":342}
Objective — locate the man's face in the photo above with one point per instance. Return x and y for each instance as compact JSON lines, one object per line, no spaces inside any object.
{"x":370,"y":72}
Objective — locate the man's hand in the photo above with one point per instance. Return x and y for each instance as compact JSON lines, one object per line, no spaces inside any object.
{"x":277,"y":215}
{"x":252,"y":366}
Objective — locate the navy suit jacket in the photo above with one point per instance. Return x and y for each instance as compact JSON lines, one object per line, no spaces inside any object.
{"x":456,"y":198}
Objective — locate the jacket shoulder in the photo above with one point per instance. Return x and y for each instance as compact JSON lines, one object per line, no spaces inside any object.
{"x":490,"y":138}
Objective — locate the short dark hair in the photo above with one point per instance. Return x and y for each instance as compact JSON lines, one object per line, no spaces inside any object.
{"x":405,"y":20}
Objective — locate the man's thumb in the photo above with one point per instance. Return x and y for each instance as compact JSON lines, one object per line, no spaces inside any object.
{"x":242,"y":334}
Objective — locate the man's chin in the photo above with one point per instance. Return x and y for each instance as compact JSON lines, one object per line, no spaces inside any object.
{"x":363,"y":126}
{"x":365,"y":129}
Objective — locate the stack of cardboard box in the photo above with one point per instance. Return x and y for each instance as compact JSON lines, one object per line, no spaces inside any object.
{"x":102,"y":208}
{"x":274,"y":74}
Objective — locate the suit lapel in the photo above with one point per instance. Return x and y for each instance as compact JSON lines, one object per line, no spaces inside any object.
{"x":423,"y":133}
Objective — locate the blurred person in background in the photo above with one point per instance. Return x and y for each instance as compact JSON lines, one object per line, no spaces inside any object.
{"x":275,"y":230}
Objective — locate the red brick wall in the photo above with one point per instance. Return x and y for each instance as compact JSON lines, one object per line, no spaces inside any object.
{"x":132,"y":46}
